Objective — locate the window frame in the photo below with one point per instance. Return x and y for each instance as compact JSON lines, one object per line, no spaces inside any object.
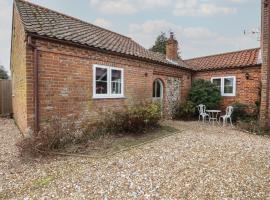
{"x":222,"y":78}
{"x":109,"y":94}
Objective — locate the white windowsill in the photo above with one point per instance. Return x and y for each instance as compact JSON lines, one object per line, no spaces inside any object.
{"x":228,"y":95}
{"x":109,"y":97}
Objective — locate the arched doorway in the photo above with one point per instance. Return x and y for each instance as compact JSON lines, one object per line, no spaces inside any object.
{"x":158,"y":91}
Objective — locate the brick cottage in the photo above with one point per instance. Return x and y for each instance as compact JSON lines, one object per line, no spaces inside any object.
{"x":62,"y":66}
{"x":238,"y":75}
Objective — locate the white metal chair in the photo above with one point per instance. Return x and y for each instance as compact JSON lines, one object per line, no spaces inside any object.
{"x":202,"y":112}
{"x":228,"y":115}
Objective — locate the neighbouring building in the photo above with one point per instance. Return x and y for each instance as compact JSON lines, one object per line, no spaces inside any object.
{"x":62,"y":66}
{"x":237,"y":74}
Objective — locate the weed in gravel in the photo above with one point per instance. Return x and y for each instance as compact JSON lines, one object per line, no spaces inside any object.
{"x":44,"y":181}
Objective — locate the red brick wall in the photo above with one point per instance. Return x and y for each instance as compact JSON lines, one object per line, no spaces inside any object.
{"x":264,"y":112}
{"x":246,"y":90}
{"x":65,"y":81}
{"x":18,"y":72}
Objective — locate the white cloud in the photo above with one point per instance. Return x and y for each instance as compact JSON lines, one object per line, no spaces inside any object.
{"x":198,"y":33}
{"x":102,"y":23}
{"x":127,"y":6}
{"x":199,"y":8}
{"x":179,"y":7}
{"x":147,"y":31}
{"x":193,"y":41}
{"x":110,"y":6}
{"x":151,"y":26}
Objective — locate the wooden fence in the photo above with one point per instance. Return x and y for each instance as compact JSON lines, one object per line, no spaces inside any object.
{"x":5,"y":98}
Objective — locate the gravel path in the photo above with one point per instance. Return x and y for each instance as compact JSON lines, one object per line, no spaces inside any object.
{"x":202,"y":162}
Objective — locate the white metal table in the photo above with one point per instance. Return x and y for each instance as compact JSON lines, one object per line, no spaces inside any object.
{"x":213,"y":115}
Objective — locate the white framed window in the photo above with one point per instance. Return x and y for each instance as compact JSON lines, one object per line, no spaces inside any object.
{"x":108,"y":82}
{"x":227,"y":85}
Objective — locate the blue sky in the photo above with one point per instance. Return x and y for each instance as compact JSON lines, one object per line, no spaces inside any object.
{"x":202,"y":27}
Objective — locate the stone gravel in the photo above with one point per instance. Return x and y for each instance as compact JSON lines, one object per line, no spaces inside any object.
{"x":200,"y":162}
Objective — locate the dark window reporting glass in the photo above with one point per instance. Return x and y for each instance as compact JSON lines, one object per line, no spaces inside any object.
{"x":228,"y":85}
{"x":116,"y":82}
{"x":157,"y":89}
{"x":158,"y":94}
{"x":217,"y":82}
{"x":101,"y":81}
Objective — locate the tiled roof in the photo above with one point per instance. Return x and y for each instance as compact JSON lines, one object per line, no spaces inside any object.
{"x":248,"y":57}
{"x":48,"y":23}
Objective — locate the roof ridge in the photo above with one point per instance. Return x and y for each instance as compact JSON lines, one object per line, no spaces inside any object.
{"x":69,"y":16}
{"x":41,"y":21}
{"x":225,"y":53}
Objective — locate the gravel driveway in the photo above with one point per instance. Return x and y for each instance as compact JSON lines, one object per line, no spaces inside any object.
{"x":202,"y":162}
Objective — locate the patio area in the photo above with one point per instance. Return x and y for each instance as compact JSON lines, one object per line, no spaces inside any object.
{"x":198,"y":162}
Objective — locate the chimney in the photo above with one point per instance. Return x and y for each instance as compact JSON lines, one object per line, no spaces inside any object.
{"x":172,"y":48}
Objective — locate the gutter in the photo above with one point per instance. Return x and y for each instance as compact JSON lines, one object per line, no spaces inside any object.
{"x":36,"y":86}
{"x":228,"y":68}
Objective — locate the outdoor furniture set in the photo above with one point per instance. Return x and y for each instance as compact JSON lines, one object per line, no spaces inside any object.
{"x":214,"y":115}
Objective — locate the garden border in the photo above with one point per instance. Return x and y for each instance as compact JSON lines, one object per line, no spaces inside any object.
{"x":108,"y":155}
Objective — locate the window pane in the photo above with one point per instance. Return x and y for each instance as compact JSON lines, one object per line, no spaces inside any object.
{"x":217,"y":82}
{"x":156,"y":89}
{"x":116,"y":75}
{"x":101,"y":74}
{"x":116,"y":87}
{"x":228,"y":85}
{"x":101,"y":81}
{"x":116,"y":81}
{"x":101,"y":87}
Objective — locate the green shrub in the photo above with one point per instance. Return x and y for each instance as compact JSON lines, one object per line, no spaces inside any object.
{"x":243,"y":112}
{"x":204,"y":92}
{"x":135,"y":119}
{"x":253,"y":126}
{"x":239,"y":112}
{"x":185,"y":111}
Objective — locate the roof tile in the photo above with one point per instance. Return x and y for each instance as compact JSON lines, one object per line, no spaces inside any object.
{"x":45,"y":22}
{"x":248,"y":57}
